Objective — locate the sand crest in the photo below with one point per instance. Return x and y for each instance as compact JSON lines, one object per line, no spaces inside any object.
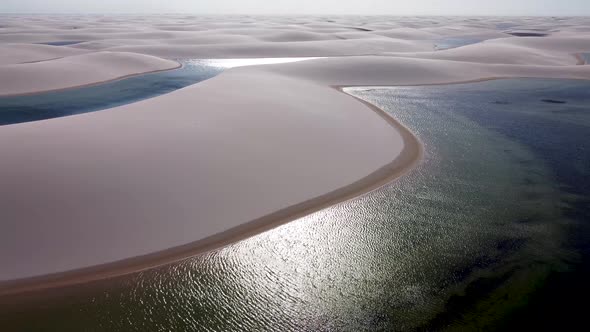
{"x":76,"y":70}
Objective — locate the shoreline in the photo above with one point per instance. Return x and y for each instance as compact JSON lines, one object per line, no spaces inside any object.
{"x":179,"y":65}
{"x":408,"y":158}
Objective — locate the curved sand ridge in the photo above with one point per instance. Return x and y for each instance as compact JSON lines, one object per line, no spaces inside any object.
{"x":215,"y":162}
{"x":75,"y":71}
{"x":27,"y":53}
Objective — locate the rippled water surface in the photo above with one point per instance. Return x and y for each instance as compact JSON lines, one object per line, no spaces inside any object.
{"x":487,"y":232}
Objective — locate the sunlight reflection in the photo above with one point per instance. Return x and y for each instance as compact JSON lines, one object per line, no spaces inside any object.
{"x":232,"y":63}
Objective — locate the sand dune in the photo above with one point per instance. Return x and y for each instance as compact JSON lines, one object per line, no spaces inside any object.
{"x":562,"y":44}
{"x":206,"y":160}
{"x":76,"y":71}
{"x":23,"y":53}
{"x":408,"y":34}
{"x":383,"y":71}
{"x":99,"y":45}
{"x":500,"y":52}
{"x":283,"y":49}
{"x":295,"y":36}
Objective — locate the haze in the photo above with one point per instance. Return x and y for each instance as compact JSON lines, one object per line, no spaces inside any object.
{"x":366,"y":7}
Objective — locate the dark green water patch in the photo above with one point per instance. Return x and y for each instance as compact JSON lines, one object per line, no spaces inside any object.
{"x":557,"y":135}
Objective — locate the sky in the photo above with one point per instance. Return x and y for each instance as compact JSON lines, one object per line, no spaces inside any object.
{"x":361,"y":7}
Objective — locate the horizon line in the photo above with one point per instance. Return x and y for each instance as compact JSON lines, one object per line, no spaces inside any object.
{"x":294,"y":14}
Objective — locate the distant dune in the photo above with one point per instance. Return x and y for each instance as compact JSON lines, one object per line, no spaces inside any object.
{"x":77,"y":70}
{"x":26,"y":53}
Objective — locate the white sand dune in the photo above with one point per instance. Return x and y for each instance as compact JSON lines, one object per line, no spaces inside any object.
{"x":24,"y":53}
{"x":408,"y":34}
{"x":295,"y":36}
{"x":383,"y":71}
{"x":552,"y":44}
{"x":204,"y":39}
{"x":76,"y":70}
{"x":208,"y":159}
{"x":282,"y":49}
{"x":100,"y":45}
{"x":500,"y":52}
